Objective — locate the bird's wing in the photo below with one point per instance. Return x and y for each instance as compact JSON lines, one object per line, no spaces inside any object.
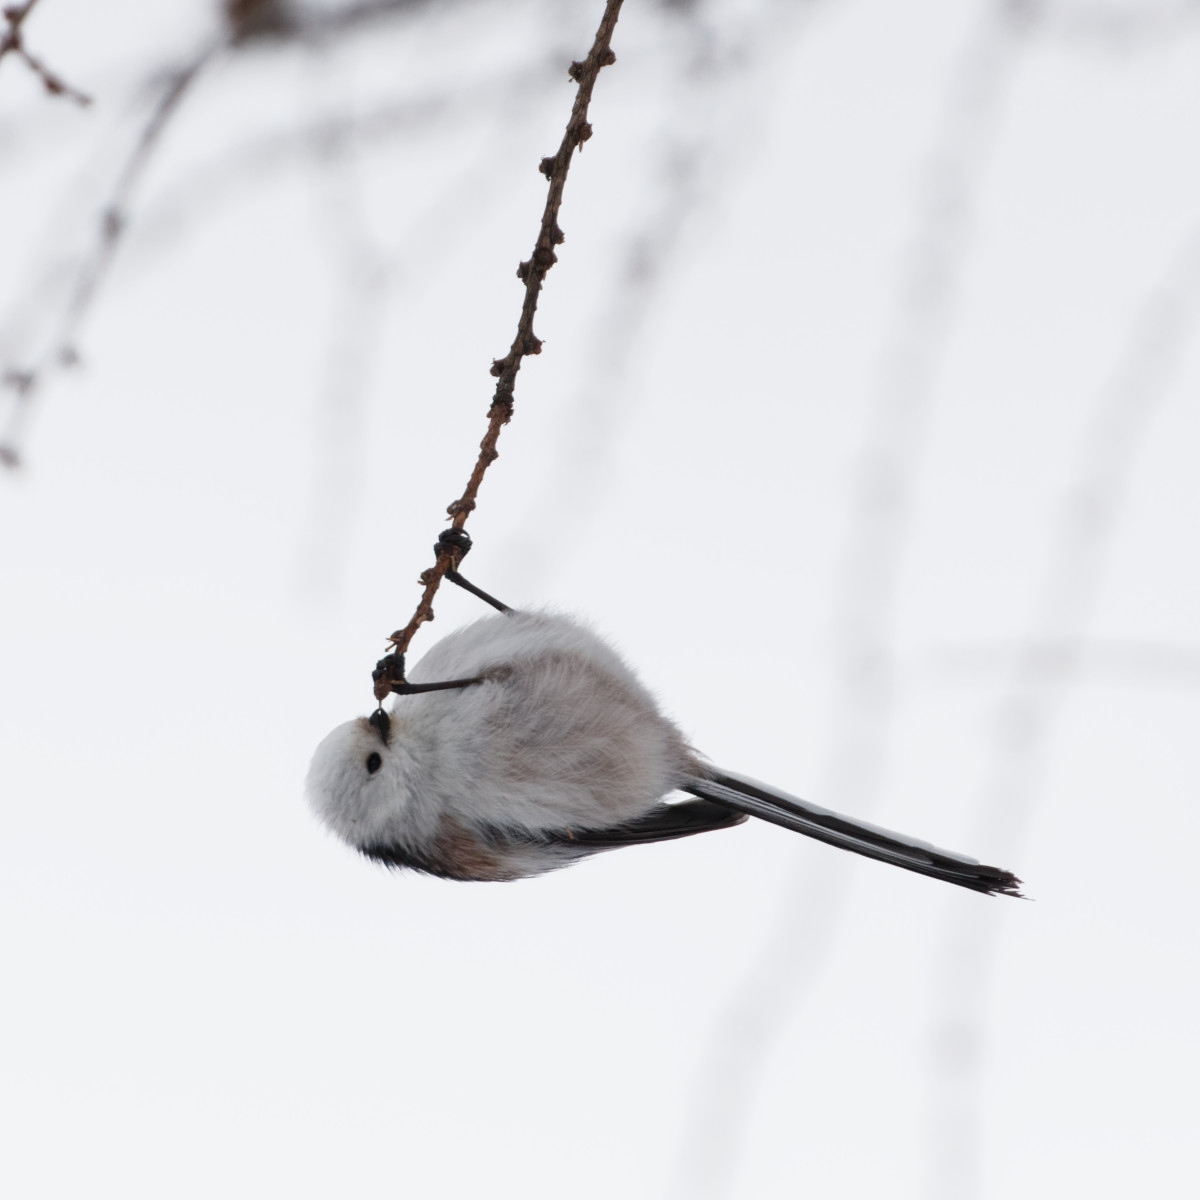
{"x":660,"y":824}
{"x":748,"y":796}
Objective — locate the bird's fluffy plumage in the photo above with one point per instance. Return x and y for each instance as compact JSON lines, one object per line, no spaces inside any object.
{"x":483,"y":781}
{"x":557,"y":752}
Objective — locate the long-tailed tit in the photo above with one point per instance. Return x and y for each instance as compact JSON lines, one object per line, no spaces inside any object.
{"x":545,"y":748}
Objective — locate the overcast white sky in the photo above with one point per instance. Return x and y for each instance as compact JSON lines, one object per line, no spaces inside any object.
{"x":900,"y":404}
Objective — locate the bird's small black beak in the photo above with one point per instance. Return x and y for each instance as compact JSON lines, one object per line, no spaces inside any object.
{"x":382,"y":724}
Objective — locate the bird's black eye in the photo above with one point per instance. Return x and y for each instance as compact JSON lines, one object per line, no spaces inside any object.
{"x":374,"y":762}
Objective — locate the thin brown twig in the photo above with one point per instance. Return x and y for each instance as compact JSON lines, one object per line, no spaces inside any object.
{"x":12,"y":42}
{"x":532,"y":272}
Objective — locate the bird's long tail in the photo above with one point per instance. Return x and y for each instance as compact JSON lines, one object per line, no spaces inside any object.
{"x":770,"y":804}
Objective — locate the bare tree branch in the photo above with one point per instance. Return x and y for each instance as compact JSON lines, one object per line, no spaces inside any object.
{"x":532,"y":273}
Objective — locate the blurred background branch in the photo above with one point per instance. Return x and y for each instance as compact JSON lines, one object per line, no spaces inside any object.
{"x":1032,"y":700}
{"x":12,"y":41}
{"x":863,"y":612}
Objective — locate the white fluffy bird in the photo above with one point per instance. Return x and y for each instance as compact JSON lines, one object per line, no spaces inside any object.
{"x":552,"y":752}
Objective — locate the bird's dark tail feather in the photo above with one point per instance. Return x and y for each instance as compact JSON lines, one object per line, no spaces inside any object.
{"x":770,"y":804}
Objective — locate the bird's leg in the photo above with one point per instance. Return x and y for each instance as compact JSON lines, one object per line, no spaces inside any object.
{"x":455,"y":577}
{"x":455,"y":543}
{"x":411,"y":689}
{"x":389,"y":671}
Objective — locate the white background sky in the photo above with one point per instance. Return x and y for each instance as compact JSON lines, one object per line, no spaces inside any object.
{"x":910,"y":378}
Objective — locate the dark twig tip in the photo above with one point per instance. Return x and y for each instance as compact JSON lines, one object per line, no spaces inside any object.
{"x":454,"y":545}
{"x":388,"y":672}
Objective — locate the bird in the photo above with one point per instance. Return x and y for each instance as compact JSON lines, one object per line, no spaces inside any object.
{"x":541,"y":747}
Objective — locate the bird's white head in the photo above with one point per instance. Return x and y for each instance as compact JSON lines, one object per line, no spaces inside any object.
{"x":356,"y":781}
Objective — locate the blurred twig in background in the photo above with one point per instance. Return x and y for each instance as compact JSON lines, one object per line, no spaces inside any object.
{"x":113,"y":220}
{"x":260,"y":160}
{"x":272,"y":24}
{"x":1118,"y":25}
{"x":368,"y":274}
{"x":694,"y":163}
{"x":863,"y":610}
{"x":1023,"y":721}
{"x":364,"y":273}
{"x":1123,"y":662}
{"x":12,"y":41}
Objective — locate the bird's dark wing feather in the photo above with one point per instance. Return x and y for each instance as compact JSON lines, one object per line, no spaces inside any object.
{"x":661,"y":824}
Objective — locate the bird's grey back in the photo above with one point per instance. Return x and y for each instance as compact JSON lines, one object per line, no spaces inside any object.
{"x":561,"y":734}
